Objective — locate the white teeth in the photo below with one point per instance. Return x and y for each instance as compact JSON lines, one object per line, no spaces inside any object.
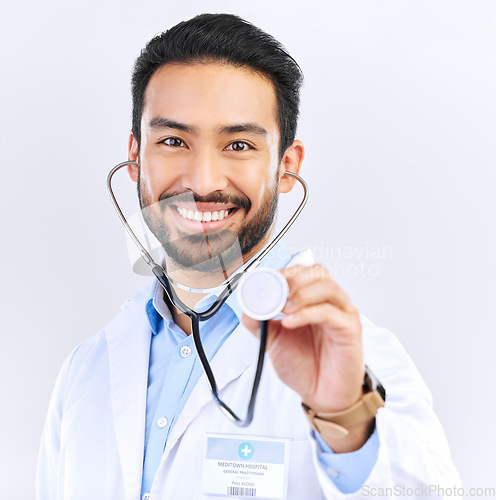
{"x":202,"y":216}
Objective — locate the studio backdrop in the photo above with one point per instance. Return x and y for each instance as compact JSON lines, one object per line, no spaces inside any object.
{"x":398,"y":119}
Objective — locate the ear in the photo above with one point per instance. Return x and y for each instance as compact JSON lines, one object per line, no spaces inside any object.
{"x":291,"y":162}
{"x":132,"y":155}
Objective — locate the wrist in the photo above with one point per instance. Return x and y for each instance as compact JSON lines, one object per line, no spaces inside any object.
{"x":357,"y":436}
{"x":349,"y":429}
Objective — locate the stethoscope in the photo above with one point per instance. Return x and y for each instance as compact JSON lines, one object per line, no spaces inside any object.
{"x":242,"y":279}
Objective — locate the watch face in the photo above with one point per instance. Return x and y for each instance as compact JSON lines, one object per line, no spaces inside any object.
{"x":371,"y":383}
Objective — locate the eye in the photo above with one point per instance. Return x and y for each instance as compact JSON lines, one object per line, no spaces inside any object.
{"x":173,"y":142}
{"x":238,"y":146}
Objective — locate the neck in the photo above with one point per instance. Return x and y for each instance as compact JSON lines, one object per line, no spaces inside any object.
{"x":198,"y":279}
{"x":193,"y":279}
{"x":190,"y":299}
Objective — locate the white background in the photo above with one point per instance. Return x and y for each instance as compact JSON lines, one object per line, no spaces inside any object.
{"x":398,"y":118}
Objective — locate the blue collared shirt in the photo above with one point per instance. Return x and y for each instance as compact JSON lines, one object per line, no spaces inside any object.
{"x":174,"y":370}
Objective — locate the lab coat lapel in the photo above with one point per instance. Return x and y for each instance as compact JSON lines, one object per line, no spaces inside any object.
{"x":128,"y":338}
{"x":239,"y":351}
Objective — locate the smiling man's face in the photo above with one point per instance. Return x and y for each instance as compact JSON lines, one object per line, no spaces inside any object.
{"x":208,"y":164}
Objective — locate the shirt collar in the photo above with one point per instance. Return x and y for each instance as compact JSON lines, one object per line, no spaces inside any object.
{"x":157,"y":310}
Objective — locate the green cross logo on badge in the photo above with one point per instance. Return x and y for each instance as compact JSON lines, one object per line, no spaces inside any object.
{"x":246,"y":450}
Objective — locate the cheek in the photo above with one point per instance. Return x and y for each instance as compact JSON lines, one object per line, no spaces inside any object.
{"x":265,"y":183}
{"x":257,"y":192}
{"x":154,"y":181}
{"x":146,"y":183}
{"x":262,"y":177}
{"x":152,"y":178}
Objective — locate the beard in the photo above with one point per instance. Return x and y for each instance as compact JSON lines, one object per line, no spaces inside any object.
{"x":209,"y":250}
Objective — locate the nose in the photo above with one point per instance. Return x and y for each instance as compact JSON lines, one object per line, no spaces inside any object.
{"x":204,"y":173}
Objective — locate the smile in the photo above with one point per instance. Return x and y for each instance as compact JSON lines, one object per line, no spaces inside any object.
{"x":197,"y":216}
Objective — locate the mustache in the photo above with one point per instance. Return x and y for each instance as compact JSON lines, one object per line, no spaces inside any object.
{"x":216,"y":197}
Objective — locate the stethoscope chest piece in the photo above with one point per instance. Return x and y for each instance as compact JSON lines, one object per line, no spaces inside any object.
{"x":262,"y":293}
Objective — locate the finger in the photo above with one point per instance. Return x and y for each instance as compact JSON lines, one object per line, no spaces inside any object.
{"x":316,"y":293}
{"x":302,"y":275}
{"x":323,"y":314}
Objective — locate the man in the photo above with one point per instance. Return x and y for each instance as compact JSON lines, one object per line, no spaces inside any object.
{"x":215,"y":106}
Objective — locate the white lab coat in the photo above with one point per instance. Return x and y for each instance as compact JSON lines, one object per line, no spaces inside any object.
{"x":92,"y":446}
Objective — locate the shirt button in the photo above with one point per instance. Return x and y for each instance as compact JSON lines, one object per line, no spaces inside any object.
{"x":185,"y":351}
{"x":162,"y":422}
{"x":146,"y":496}
{"x":332,"y":472}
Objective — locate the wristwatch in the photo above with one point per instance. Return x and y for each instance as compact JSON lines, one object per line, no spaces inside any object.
{"x":337,"y":425}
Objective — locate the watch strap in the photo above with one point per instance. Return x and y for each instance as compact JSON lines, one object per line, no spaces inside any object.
{"x":337,"y":424}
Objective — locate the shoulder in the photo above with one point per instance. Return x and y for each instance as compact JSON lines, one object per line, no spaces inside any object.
{"x":93,"y":351}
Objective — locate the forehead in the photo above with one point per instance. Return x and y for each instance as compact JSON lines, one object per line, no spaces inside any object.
{"x":210,"y":93}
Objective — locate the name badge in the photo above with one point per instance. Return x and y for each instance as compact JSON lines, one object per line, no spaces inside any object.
{"x":246,"y":466}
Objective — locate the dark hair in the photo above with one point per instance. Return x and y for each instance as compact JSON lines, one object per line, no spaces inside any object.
{"x":224,"y":38}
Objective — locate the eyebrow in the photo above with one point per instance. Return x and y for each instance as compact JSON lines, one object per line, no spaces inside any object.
{"x":251,"y":128}
{"x":161,"y":122}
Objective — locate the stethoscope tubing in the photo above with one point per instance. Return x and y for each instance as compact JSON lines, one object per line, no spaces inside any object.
{"x":229,"y":287}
